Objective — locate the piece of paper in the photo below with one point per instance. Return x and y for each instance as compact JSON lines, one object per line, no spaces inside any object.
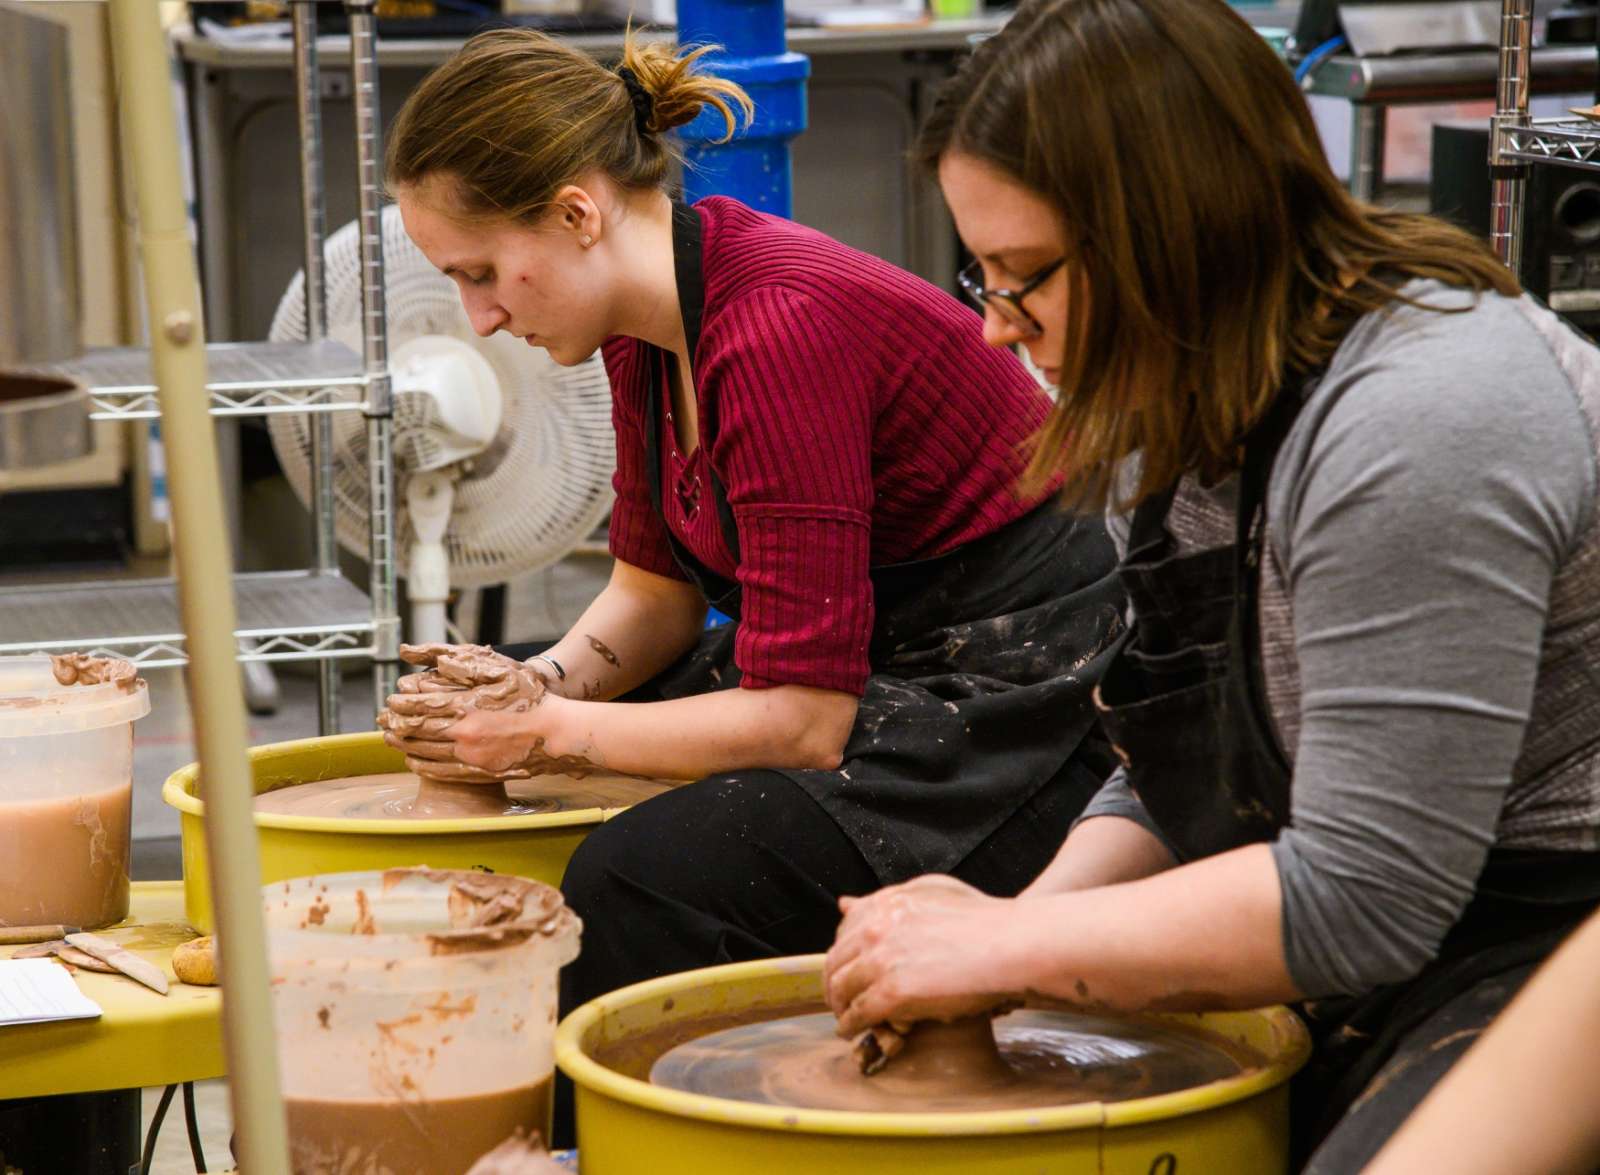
{"x":33,"y":991}
{"x":259,"y":32}
{"x":866,"y":16}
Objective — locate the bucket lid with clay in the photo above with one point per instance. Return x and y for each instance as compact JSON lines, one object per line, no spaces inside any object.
{"x":34,"y":702}
{"x":336,"y":919}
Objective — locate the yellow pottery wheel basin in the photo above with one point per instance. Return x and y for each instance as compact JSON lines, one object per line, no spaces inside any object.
{"x":626,"y":1126}
{"x":537,"y":846}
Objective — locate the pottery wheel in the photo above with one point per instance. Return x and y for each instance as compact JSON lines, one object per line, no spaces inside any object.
{"x":1033,"y":1059}
{"x":404,"y":796}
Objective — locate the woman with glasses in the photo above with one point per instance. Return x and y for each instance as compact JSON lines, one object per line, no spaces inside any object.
{"x":1009,"y":306}
{"x":814,"y":443}
{"x":1351,"y":472}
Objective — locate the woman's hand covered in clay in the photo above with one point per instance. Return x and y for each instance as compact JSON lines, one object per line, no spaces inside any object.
{"x":917,"y":951}
{"x":473,"y":717}
{"x":452,"y":667}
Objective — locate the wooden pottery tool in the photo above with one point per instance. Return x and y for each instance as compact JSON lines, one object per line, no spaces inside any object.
{"x":70,"y":954}
{"x":12,"y":935}
{"x":67,"y":954}
{"x":41,"y":950}
{"x":125,"y":961}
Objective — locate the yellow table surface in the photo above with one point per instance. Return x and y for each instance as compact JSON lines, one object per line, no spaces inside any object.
{"x":143,"y":1038}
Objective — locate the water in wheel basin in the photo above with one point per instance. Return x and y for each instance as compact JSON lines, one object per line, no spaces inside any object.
{"x":1027,"y":1059}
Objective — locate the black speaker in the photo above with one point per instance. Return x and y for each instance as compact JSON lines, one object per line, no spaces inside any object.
{"x":1561,"y":219}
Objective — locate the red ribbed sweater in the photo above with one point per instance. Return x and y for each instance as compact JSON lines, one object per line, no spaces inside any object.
{"x":861,"y":421}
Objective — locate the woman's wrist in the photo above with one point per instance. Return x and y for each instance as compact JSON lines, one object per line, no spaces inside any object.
{"x":552,"y":671}
{"x":1011,"y":951}
{"x":548,"y":666}
{"x":552,"y":722}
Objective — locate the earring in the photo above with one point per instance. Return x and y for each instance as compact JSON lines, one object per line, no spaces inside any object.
{"x":586,"y":240}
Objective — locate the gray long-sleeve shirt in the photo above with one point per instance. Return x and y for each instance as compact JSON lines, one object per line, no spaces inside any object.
{"x":1430,"y":621}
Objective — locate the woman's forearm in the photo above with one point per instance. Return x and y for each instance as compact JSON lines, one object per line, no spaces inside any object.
{"x":1103,"y":850}
{"x":789,"y":726}
{"x":1206,"y":935}
{"x":639,"y":624}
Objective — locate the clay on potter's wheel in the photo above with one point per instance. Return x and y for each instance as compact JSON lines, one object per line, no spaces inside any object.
{"x":1027,"y":1060}
{"x":404,"y":796}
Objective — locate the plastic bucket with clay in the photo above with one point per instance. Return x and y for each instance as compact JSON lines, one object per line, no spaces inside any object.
{"x":66,"y":796}
{"x":414,"y":1011}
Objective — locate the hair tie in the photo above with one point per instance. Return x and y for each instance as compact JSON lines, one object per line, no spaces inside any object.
{"x":644,"y":103}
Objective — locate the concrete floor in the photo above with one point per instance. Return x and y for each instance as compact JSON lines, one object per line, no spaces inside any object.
{"x":172,"y":1155}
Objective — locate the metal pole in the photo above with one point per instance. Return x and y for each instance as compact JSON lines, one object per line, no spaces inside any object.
{"x":39,"y":275}
{"x":205,"y":592}
{"x":754,"y":165}
{"x":1368,"y":124}
{"x":324,"y":547}
{"x":375,"y":348}
{"x":1510,"y":178}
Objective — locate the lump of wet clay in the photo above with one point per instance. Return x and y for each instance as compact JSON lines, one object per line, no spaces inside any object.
{"x":969,"y":1036}
{"x":82,"y":669}
{"x":518,"y":1155}
{"x":195,"y":962}
{"x":876,"y":1047}
{"x":931,"y":1048}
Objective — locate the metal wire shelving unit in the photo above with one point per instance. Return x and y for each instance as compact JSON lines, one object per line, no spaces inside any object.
{"x":313,"y":615}
{"x":1519,"y":141}
{"x":244,"y":379}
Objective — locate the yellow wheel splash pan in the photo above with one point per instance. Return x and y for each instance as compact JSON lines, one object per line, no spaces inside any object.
{"x":626,"y":1126}
{"x":536,"y":846}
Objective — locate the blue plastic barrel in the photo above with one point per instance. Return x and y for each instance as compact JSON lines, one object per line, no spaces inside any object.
{"x":753,"y":167}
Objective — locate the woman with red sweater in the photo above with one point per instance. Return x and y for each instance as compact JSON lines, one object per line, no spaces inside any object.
{"x":817,"y":444}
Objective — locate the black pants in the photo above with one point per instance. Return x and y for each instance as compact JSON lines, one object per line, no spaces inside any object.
{"x":748,"y":866}
{"x":1421,"y":1060}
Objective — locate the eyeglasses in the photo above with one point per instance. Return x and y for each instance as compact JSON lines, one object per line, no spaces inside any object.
{"x":1008,"y":303}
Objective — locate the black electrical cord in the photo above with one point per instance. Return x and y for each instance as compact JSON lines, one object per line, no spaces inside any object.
{"x":155,"y":1129}
{"x":196,"y":1151}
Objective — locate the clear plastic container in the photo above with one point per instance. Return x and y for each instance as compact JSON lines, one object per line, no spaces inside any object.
{"x":66,"y":796}
{"x":416,"y":1013}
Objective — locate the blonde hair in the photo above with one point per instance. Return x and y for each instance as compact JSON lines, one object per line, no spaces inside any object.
{"x":515,"y":115}
{"x":1214,"y":258}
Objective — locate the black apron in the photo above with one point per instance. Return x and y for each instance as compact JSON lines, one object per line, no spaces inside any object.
{"x":1184,"y":705}
{"x":983,"y":660}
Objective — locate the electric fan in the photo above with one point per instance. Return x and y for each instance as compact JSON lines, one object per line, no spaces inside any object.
{"x":503,"y":458}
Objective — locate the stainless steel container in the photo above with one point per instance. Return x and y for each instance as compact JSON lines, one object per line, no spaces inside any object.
{"x":43,"y":419}
{"x":40,"y":313}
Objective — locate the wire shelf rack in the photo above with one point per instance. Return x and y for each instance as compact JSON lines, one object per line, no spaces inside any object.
{"x":283,"y":616}
{"x":243,"y":379}
{"x":1570,"y":141}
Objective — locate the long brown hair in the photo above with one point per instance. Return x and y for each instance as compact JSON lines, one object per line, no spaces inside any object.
{"x":515,"y":115}
{"x":1214,"y":254}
